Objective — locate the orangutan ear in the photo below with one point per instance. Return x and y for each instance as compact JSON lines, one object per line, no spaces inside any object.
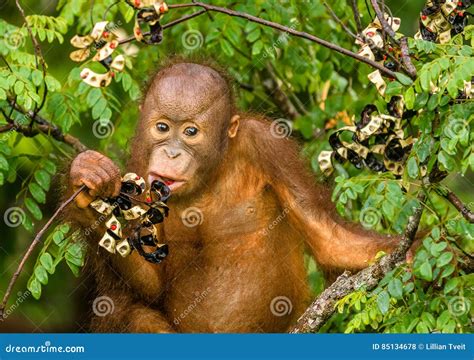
{"x":234,"y":126}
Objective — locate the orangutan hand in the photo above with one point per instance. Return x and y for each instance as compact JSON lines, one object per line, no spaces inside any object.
{"x":98,"y":173}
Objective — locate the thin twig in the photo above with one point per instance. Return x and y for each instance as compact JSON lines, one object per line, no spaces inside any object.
{"x":167,"y":25}
{"x":410,"y":68}
{"x":293,"y":32}
{"x":355,"y":12}
{"x":324,"y":306}
{"x":340,"y":22}
{"x":32,"y":246}
{"x":385,"y":25}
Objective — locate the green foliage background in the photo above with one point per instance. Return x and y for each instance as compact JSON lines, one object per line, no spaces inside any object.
{"x":413,"y":298}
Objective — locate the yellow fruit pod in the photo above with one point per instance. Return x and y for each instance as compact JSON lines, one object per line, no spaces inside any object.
{"x":118,"y":63}
{"x":102,"y":207}
{"x":82,"y":42}
{"x":108,"y":243}
{"x":98,"y":30}
{"x":376,"y":78}
{"x":123,"y":248}
{"x":114,"y":226}
{"x":80,"y":55}
{"x":366,"y":52}
{"x":105,"y":51}
{"x":96,"y":80}
{"x":325,"y":162}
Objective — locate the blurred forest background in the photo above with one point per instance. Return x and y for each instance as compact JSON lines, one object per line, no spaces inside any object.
{"x":323,"y":87}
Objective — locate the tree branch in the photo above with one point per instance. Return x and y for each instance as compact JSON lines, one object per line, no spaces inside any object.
{"x":32,"y":246}
{"x":167,"y":25}
{"x":290,"y":31}
{"x":323,"y":307}
{"x":45,"y":127}
{"x":459,"y":205}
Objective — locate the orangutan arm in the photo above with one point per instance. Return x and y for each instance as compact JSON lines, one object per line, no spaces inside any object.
{"x":334,"y":242}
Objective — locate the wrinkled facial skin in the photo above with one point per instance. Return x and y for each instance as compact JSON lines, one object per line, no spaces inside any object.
{"x":186,"y":116}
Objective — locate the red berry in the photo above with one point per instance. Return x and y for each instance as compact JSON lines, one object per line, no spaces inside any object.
{"x":113,"y":227}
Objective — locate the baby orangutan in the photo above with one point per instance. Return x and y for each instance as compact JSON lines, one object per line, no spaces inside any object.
{"x":243,"y":208}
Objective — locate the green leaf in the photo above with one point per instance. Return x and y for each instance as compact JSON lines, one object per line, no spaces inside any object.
{"x":41,"y":274}
{"x":38,"y":194}
{"x":448,"y":270}
{"x":74,"y":260}
{"x":93,"y":96}
{"x":444,"y":259}
{"x":395,"y":288}
{"x":257,"y":48}
{"x":58,"y":237}
{"x":47,"y":261}
{"x":99,"y":108}
{"x":410,"y":98}
{"x":35,"y":287}
{"x":426,"y":272}
{"x":3,"y":163}
{"x":227,"y":48}
{"x":126,"y":81}
{"x":383,"y":302}
{"x":37,"y":77}
{"x":32,"y":206}
{"x":19,"y":87}
{"x":43,"y":178}
{"x":49,"y":166}
{"x":428,"y":319}
{"x":446,"y":160}
{"x":412,"y":167}
{"x":405,"y":80}
{"x":76,"y":270}
{"x":451,"y":284}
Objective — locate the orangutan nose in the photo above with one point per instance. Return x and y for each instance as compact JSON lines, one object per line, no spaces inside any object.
{"x":172,"y":153}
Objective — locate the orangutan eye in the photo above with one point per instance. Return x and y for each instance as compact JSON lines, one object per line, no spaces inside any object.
{"x":191,"y":131}
{"x":162,"y":127}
